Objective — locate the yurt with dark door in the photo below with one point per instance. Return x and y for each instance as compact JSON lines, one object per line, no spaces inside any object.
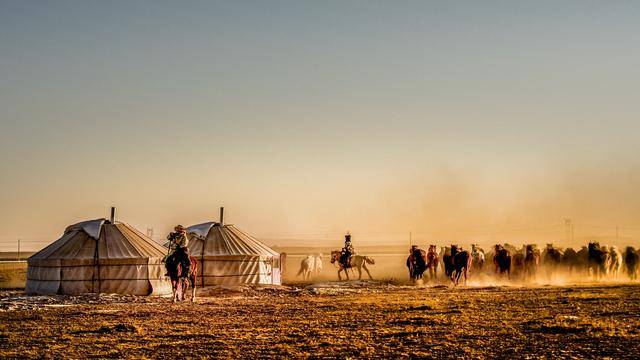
{"x":99,"y":256}
{"x":229,"y":256}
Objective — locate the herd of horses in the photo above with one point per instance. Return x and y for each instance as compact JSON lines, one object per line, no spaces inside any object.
{"x":595,"y":261}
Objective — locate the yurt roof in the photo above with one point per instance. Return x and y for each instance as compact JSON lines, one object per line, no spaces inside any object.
{"x":115,"y":241}
{"x":227,"y":239}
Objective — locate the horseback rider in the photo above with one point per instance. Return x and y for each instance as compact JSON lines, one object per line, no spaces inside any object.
{"x":178,"y":250}
{"x":346,"y":251}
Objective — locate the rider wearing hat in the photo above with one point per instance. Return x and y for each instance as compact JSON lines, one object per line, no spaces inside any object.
{"x":178,"y":239}
{"x":347,"y":250}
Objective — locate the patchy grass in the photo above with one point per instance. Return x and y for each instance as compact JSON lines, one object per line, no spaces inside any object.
{"x":380,"y":321}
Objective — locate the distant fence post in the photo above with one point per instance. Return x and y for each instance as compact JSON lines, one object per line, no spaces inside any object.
{"x":18,"y":249}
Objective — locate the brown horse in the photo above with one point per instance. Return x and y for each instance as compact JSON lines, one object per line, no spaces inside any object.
{"x":180,"y":281}
{"x":531,"y":261}
{"x":461,"y":264}
{"x":417,"y":263}
{"x":447,"y":261}
{"x":502,"y":260}
{"x":631,"y":260}
{"x":599,"y":260}
{"x":432,"y":262}
{"x":551,"y":259}
{"x":354,"y":261}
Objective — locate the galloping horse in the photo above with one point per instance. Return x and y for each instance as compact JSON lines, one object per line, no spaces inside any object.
{"x":599,"y":260}
{"x":417,"y":263}
{"x":477,"y":254}
{"x":432,"y":262}
{"x":616,"y":261}
{"x":179,"y":281}
{"x":447,"y":261}
{"x":354,"y":261}
{"x":531,"y":261}
{"x":552,"y":259}
{"x":570,"y":260}
{"x":631,"y":260}
{"x":502,"y":260}
{"x":461,"y":263}
{"x":307,"y":267}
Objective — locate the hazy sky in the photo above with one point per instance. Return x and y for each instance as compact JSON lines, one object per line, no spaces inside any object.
{"x":458,"y":121}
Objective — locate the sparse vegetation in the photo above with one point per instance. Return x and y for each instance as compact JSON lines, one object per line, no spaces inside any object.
{"x":359,"y":319}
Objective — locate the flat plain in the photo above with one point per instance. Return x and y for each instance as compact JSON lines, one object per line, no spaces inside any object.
{"x":334,"y":320}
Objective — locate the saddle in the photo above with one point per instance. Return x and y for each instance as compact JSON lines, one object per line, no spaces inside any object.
{"x":344,"y":260}
{"x":180,"y":256}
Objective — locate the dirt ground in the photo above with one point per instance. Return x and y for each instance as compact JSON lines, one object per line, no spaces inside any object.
{"x":335,"y":320}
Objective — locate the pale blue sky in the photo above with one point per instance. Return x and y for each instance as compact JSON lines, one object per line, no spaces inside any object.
{"x":305,"y":117}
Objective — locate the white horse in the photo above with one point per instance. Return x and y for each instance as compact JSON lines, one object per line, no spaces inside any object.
{"x":616,"y":261}
{"x":478,"y":257}
{"x":308,"y":267}
{"x":318,"y":265}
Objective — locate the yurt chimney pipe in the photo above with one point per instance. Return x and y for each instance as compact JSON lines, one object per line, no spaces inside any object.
{"x":221,"y":215}
{"x":113,"y":215}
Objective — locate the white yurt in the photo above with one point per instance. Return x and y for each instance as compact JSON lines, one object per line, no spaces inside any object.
{"x":229,"y":256}
{"x":99,"y":256}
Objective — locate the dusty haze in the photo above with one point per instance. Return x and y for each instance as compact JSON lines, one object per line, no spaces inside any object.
{"x":464,"y":122}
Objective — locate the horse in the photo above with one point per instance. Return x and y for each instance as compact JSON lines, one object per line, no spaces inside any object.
{"x":598,"y":260}
{"x":461,"y":264}
{"x":354,"y":261}
{"x":447,"y":261}
{"x":478,"y":256}
{"x":417,"y":263}
{"x":616,"y":261}
{"x":531,"y":261}
{"x":318,"y":263}
{"x":502,"y":260}
{"x":432,"y":262}
{"x":517,"y":261}
{"x":631,"y":260}
{"x":551,"y":258}
{"x":583,"y":260}
{"x":570,"y":260}
{"x":307,"y":267}
{"x":180,"y":282}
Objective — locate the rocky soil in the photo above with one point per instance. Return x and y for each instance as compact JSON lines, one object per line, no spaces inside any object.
{"x":335,"y":320}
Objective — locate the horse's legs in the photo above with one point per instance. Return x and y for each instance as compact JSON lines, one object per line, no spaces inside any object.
{"x":465,"y":276}
{"x":367,"y":270}
{"x":359,"y":273}
{"x":346,"y":271}
{"x":174,"y":289}
{"x":193,"y":289}
{"x":178,"y":290}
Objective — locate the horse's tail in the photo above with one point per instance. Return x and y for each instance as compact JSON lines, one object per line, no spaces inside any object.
{"x":369,"y":260}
